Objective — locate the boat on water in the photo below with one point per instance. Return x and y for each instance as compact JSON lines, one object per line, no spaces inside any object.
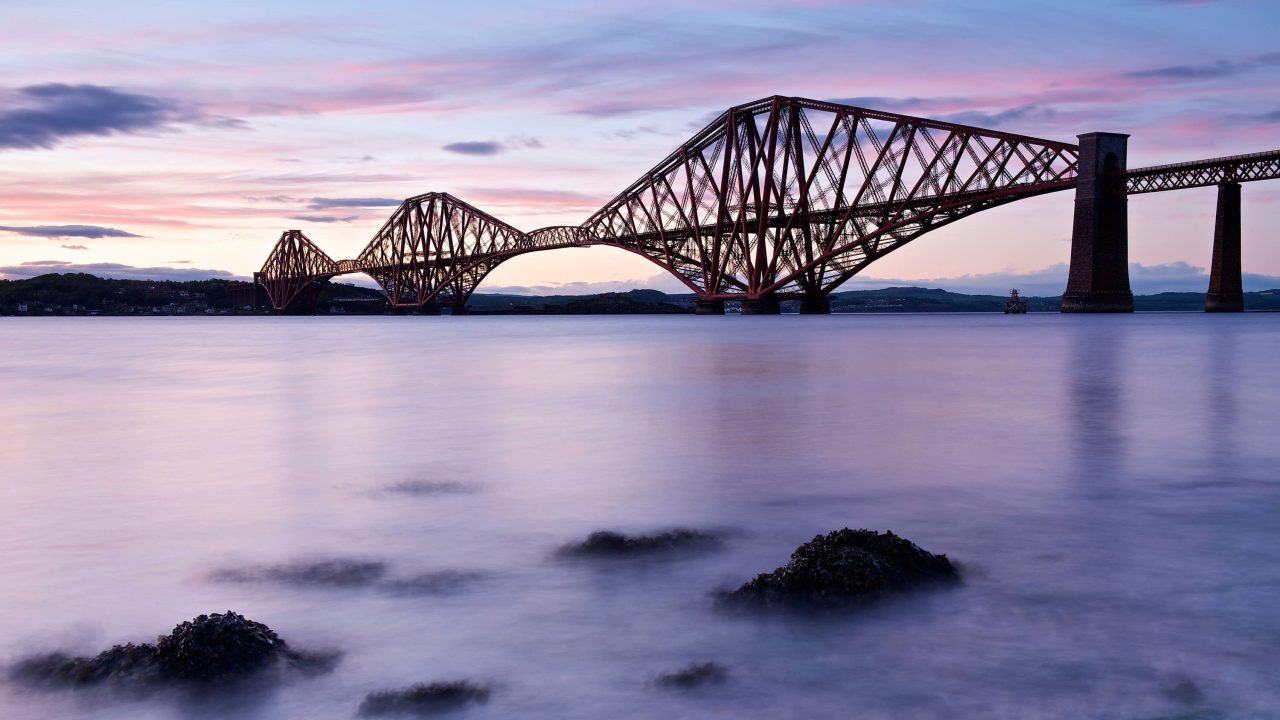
{"x":1015,"y":305}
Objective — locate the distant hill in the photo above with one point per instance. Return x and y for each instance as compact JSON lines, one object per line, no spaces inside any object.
{"x":634,"y":302}
{"x":82,"y":294}
{"x":915,"y":299}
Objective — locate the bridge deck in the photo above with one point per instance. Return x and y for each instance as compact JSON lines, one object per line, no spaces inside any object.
{"x":1199,"y":173}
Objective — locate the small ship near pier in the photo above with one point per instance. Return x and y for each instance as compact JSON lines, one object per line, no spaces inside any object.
{"x":1015,"y":305}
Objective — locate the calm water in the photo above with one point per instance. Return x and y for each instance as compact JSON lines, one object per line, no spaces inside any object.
{"x":1108,"y":483}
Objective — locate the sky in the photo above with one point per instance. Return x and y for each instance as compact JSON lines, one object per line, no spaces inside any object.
{"x":151,"y":139}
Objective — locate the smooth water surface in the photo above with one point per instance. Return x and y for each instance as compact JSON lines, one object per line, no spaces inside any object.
{"x":1108,"y":484}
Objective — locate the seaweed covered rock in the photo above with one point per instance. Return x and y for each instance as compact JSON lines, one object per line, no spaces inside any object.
{"x":121,"y":662}
{"x":694,"y":675}
{"x":220,"y":646}
{"x":217,"y":646}
{"x":846,"y":567}
{"x":422,"y":699}
{"x":607,"y":543}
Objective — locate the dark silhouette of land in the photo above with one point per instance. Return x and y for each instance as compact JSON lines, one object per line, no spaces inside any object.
{"x":83,"y":294}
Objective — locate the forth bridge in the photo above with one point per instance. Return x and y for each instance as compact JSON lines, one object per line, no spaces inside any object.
{"x":787,"y":198}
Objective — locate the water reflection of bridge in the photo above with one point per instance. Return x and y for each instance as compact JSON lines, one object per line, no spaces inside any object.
{"x":788,"y":198}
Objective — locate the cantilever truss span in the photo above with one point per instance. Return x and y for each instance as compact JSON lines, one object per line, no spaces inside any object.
{"x":786,"y":196}
{"x":782,"y":197}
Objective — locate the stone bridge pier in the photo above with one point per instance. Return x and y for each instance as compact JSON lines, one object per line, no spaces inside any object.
{"x":1099,"y":278}
{"x":1226,"y":286}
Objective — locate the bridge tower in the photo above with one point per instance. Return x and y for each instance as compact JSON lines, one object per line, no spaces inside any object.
{"x":1099,"y":276}
{"x":1226,"y":289}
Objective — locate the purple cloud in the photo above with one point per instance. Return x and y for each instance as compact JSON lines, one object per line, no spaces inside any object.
{"x":320,"y":203}
{"x":1212,"y":70}
{"x":42,"y":116}
{"x":996,"y":119}
{"x":116,"y":271}
{"x":74,"y":247}
{"x":66,"y":231}
{"x":323,"y":218}
{"x":535,"y":197}
{"x":475,"y":147}
{"x":885,"y":103}
{"x":616,"y":108}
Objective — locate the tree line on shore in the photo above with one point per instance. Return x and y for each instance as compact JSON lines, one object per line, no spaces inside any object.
{"x":84,"y":294}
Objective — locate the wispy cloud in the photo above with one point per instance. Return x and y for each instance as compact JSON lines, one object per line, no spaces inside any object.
{"x":887,"y":103}
{"x":74,"y":247}
{"x":493,"y":147}
{"x":612,"y":108}
{"x":67,"y":231}
{"x":320,"y":203}
{"x":324,"y":218}
{"x":42,"y":116}
{"x":525,"y":141}
{"x":112,"y":270}
{"x":1002,"y":117}
{"x":534,"y":198}
{"x":1210,"y":70}
{"x":475,"y":147}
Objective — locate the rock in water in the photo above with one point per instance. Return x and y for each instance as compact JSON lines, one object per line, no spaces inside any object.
{"x":846,"y":567}
{"x":217,"y":646}
{"x":121,"y":662}
{"x":694,"y":675}
{"x":606,"y":543}
{"x":210,"y":647}
{"x":331,"y":572}
{"x":422,"y":699}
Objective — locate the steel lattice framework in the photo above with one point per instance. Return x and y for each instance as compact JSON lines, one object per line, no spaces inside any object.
{"x":782,"y":197}
{"x":787,"y":196}
{"x":294,"y":263}
{"x":433,"y":244}
{"x":1200,"y":173}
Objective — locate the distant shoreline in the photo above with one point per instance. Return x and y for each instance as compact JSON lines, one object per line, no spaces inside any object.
{"x":83,"y":295}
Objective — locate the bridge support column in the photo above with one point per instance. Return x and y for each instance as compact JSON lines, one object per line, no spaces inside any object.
{"x":430,"y":308}
{"x":1226,"y":290}
{"x":815,"y":305}
{"x":768,"y":305}
{"x":1099,"y":277}
{"x":460,"y":310}
{"x":708,"y":307}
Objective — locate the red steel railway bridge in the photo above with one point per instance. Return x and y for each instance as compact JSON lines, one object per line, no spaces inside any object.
{"x":787,"y":198}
